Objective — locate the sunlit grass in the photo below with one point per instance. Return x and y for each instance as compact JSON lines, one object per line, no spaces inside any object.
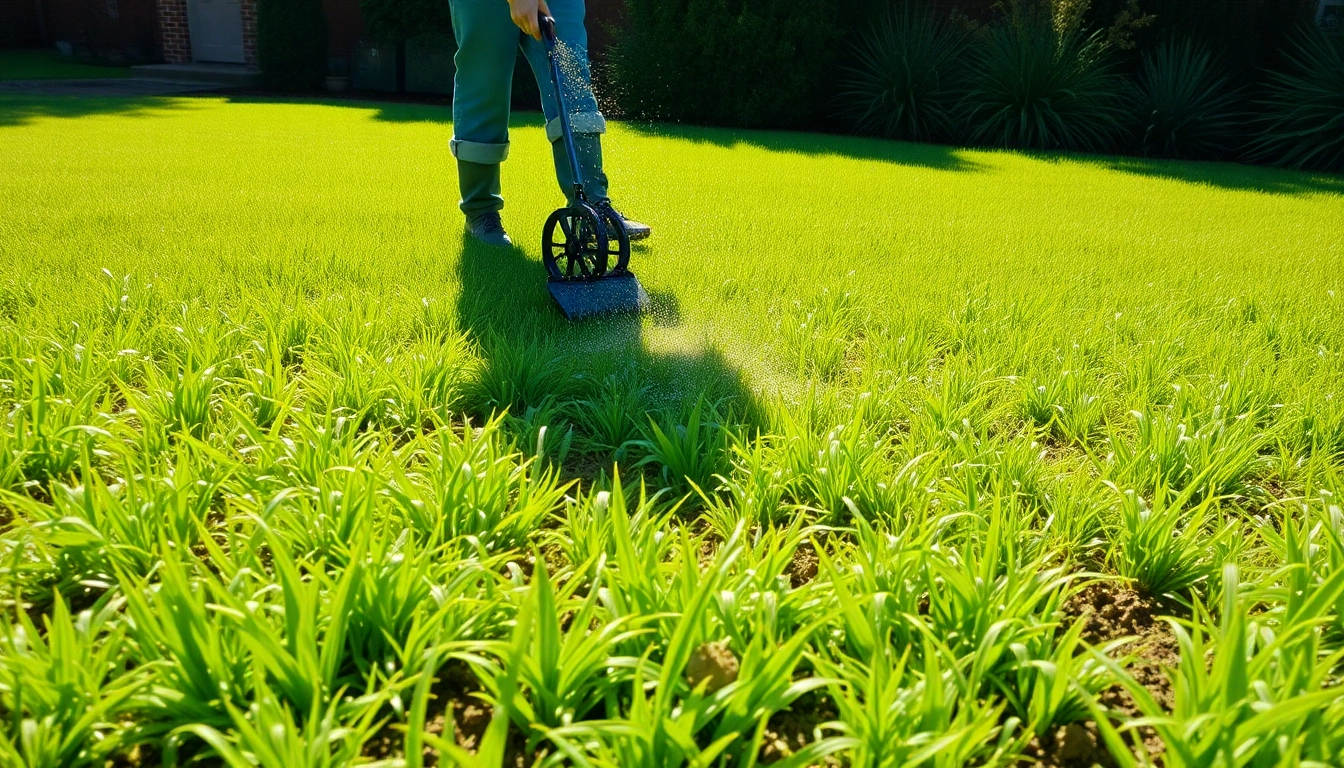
{"x":281,"y":451}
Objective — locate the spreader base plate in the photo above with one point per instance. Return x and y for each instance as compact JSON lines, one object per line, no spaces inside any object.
{"x":588,"y":298}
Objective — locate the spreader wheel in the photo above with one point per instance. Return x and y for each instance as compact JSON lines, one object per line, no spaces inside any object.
{"x":574,"y":244}
{"x":618,"y":240}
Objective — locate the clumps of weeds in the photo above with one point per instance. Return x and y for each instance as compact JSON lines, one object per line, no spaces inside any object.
{"x":1162,"y":543}
{"x":754,"y":485}
{"x":268,"y":389}
{"x":905,"y":350}
{"x":609,"y":418}
{"x":1150,"y":373}
{"x":618,"y":522}
{"x":1211,"y":454}
{"x":1245,"y":681}
{"x":51,"y":427}
{"x":433,"y":380}
{"x":463,"y":483}
{"x":517,"y":374}
{"x":1063,"y":404}
{"x":958,"y":406}
{"x":65,"y":679}
{"x":689,"y":452}
{"x":819,"y":334}
{"x":96,"y":528}
{"x":543,"y":430}
{"x":290,"y":334}
{"x":1076,"y":510}
{"x":831,"y":456}
{"x":1315,"y":427}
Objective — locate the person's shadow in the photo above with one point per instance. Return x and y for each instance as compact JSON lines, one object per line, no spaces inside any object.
{"x":548,"y":371}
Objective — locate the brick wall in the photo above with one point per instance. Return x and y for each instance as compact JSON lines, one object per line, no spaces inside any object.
{"x":174,"y":35}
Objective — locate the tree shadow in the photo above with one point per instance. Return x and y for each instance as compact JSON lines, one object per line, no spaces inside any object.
{"x":19,"y":110}
{"x":933,"y":156}
{"x":505,"y":308}
{"x":1232,"y":176}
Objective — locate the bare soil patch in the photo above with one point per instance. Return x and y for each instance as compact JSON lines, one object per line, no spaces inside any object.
{"x":793,"y":729}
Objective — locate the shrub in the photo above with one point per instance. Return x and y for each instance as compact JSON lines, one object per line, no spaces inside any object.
{"x":1246,"y":32}
{"x":1304,"y":124}
{"x":902,"y":84}
{"x":748,"y":63}
{"x":1187,"y":104}
{"x":292,"y":43}
{"x":1036,"y":86}
{"x":394,"y":21}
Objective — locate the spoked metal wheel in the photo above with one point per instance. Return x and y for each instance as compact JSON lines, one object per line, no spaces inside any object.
{"x":574,"y":244}
{"x":618,"y":240}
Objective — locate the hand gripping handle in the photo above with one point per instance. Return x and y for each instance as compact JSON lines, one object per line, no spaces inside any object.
{"x":547,"y":25}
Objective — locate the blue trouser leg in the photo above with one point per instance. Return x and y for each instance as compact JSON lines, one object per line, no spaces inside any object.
{"x":488,"y":42}
{"x":585,"y":119}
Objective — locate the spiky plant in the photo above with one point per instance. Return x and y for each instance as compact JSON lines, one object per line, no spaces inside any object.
{"x":1304,"y":101}
{"x":905,"y":77}
{"x":1033,"y":86}
{"x":1187,"y":102}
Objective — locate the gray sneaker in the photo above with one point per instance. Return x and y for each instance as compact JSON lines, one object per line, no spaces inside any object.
{"x":634,"y":229}
{"x":488,"y":229}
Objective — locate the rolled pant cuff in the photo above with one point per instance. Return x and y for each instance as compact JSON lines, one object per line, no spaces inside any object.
{"x":477,"y":152}
{"x":579,"y":122}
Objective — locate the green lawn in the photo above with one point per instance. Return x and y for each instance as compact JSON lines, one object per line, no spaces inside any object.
{"x":44,"y":64}
{"x":927,"y":436}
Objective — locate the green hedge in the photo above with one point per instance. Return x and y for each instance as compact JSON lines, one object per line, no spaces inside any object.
{"x":1028,"y":81}
{"x":397,"y":21}
{"x":292,"y":43}
{"x":753,"y":63}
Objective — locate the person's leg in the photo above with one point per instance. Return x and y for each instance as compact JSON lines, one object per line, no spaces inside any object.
{"x":585,"y":119}
{"x":487,"y":47}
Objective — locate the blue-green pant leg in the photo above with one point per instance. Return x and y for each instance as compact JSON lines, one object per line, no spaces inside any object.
{"x":487,"y":46}
{"x":585,"y":118}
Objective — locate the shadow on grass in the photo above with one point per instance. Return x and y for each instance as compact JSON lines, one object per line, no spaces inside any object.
{"x":526,"y":113}
{"x":18,"y":110}
{"x":1247,"y":178}
{"x":21,"y":109}
{"x":934,"y":156}
{"x":531,"y":355}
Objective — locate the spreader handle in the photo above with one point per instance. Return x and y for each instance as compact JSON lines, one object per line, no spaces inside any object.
{"x":548,"y":34}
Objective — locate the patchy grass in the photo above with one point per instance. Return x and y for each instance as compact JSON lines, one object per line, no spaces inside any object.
{"x":290,"y":469}
{"x":43,"y":64}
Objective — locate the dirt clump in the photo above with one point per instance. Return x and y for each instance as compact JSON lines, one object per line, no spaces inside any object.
{"x":1111,"y":611}
{"x":792,"y":730}
{"x":713,"y":664}
{"x":135,"y":756}
{"x":1076,"y":745}
{"x":454,"y":693}
{"x":802,"y":569}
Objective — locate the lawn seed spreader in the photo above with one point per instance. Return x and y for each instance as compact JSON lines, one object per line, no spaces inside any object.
{"x":586,"y":250}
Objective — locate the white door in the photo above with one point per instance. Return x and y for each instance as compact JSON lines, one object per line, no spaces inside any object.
{"x":216,"y":30}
